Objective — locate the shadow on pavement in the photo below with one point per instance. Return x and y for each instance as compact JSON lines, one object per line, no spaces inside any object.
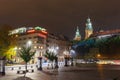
{"x":23,"y":78}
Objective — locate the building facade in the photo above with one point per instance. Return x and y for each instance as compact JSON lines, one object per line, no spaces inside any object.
{"x":34,"y":37}
{"x":58,"y":44}
{"x":40,"y":41}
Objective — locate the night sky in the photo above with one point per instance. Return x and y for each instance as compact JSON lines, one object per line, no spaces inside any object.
{"x":61,"y":16}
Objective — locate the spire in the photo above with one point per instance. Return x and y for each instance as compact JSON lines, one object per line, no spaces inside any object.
{"x":88,"y":29}
{"x":89,"y":24}
{"x":77,"y":35}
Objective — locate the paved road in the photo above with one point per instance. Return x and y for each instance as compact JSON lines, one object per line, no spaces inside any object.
{"x":99,"y":72}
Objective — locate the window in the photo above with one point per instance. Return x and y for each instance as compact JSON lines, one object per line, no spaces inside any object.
{"x":29,"y":37}
{"x":20,"y":39}
{"x":35,"y":41}
{"x":35,"y":47}
{"x":24,"y":38}
{"x":35,"y":36}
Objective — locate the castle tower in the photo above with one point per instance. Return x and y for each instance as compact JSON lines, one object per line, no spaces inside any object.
{"x":88,"y":29}
{"x":77,"y":35}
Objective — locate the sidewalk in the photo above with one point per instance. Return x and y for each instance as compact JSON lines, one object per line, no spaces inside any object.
{"x":45,"y":74}
{"x":37,"y":75}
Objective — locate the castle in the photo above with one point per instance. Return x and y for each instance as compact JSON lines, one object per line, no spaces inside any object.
{"x":88,"y":31}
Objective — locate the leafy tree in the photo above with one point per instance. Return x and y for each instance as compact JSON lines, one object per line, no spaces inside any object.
{"x":10,"y":53}
{"x":26,"y":55}
{"x":73,"y":42}
{"x":84,"y":46}
{"x":109,"y":47}
{"x":51,"y":56}
{"x":6,"y":41}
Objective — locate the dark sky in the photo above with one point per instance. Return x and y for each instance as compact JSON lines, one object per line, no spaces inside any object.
{"x":61,"y":16}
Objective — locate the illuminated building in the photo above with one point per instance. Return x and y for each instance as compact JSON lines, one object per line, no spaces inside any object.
{"x":102,"y":34}
{"x":58,"y":44}
{"x":35,"y":37}
{"x":88,"y":29}
{"x":40,"y":40}
{"x":77,"y":35}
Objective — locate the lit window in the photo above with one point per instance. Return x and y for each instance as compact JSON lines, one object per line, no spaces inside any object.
{"x":35,"y":41}
{"x":16,"y":35}
{"x":35,"y":47}
{"x":15,"y":48}
{"x":41,"y":47}
{"x":19,"y":48}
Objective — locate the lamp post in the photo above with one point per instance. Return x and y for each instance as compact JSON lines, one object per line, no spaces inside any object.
{"x":56,"y":58}
{"x":66,"y":57}
{"x":40,"y":63}
{"x":56,"y":62}
{"x":71,"y":61}
{"x":2,"y":67}
{"x":73,"y":55}
{"x":66,"y":61}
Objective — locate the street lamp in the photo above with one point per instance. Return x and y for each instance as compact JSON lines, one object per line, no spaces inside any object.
{"x":2,"y":67}
{"x":56,"y":62}
{"x":29,"y":43}
{"x":66,"y":54}
{"x":56,"y":58}
{"x":98,"y":55}
{"x":40,"y":63}
{"x":72,"y":54}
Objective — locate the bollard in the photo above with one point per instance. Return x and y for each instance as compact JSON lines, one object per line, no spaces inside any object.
{"x":2,"y":67}
{"x":19,"y":67}
{"x":36,"y":66}
{"x":12,"y":68}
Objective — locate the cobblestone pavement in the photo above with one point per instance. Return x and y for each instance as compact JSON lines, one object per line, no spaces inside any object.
{"x":37,"y":75}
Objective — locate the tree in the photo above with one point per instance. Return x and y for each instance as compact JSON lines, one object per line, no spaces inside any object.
{"x":26,"y":55}
{"x":51,"y":56}
{"x":6,"y":41}
{"x":83,"y":47}
{"x":109,"y":47}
